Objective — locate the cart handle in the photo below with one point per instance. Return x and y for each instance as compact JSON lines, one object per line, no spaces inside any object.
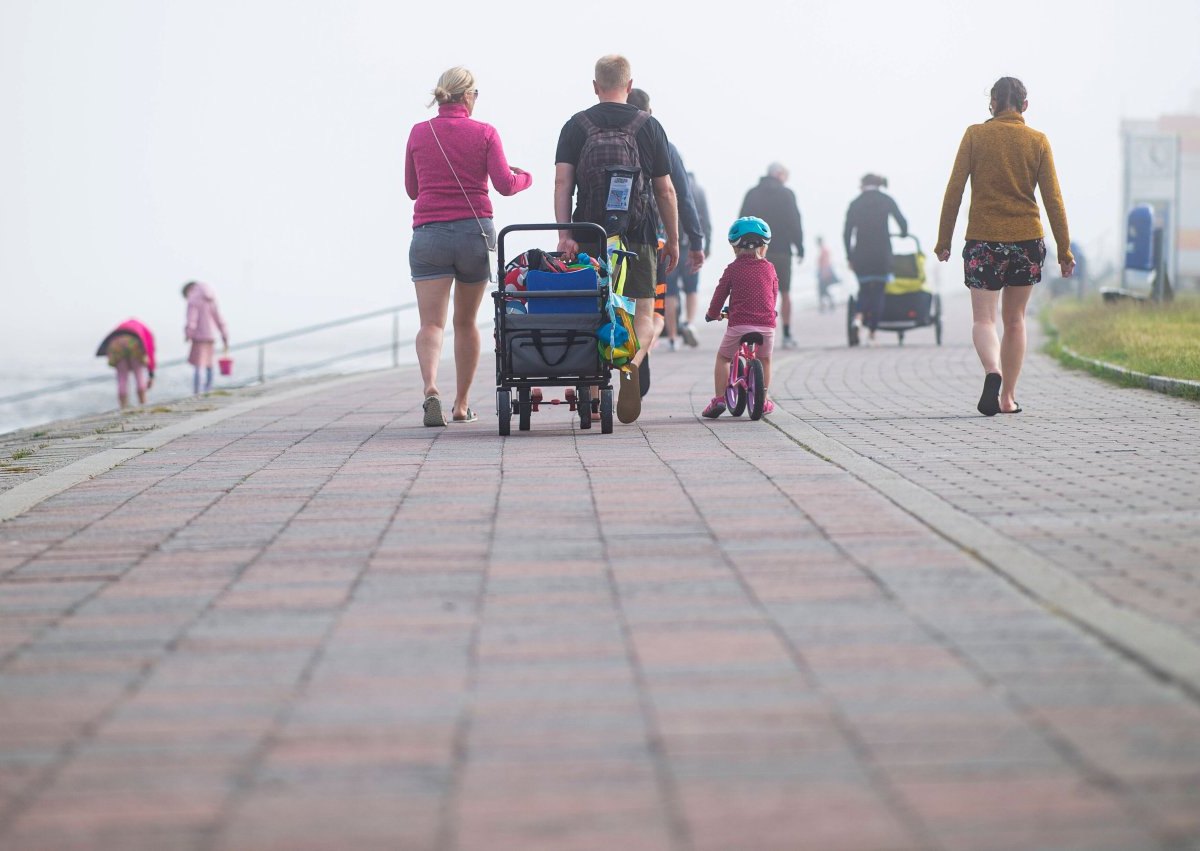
{"x":594,"y":230}
{"x":911,"y":236}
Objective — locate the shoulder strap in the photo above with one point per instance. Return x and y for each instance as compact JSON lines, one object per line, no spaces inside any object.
{"x":589,"y":126}
{"x":637,"y":121}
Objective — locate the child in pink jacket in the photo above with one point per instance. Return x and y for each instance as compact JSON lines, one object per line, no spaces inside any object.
{"x":130,"y":350}
{"x":203,"y":321}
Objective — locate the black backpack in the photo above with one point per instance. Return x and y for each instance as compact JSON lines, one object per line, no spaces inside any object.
{"x":610,"y":169}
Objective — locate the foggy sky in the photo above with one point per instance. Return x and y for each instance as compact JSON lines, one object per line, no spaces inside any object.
{"x":258,"y":144}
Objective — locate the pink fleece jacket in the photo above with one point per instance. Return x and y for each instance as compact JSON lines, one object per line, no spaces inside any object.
{"x":474,"y":149}
{"x":137,"y":329}
{"x":203,"y":317}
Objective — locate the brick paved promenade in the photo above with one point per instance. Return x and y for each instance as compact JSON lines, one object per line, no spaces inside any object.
{"x":314,"y":624}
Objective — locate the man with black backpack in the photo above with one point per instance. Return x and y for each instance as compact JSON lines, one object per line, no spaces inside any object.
{"x":616,"y":156}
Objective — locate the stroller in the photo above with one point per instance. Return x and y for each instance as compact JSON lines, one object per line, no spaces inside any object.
{"x":908,"y":302}
{"x":548,"y":335}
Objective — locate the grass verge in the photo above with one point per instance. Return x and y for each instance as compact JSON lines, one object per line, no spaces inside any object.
{"x":1160,"y":340}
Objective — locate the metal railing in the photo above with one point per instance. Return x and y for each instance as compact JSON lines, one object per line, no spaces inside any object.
{"x":261,"y":345}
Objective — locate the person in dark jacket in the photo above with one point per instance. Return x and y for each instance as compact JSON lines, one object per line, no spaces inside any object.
{"x":690,"y":228}
{"x":774,"y":203}
{"x":869,"y":246}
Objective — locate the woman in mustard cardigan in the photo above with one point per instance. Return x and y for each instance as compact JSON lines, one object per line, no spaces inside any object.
{"x":1005,"y":250}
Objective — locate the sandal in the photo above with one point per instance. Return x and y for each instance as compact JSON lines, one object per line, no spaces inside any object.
{"x":433,"y":411}
{"x":629,"y":394}
{"x":469,"y":417}
{"x":989,"y":400}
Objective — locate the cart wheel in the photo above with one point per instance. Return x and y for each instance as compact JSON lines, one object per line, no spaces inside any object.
{"x":757,"y":389}
{"x":937,"y":326}
{"x":583,"y":406}
{"x":524,"y":408}
{"x":851,"y":328}
{"x":735,"y":394}
{"x":606,"y":411}
{"x":900,"y":334}
{"x":504,"y":411}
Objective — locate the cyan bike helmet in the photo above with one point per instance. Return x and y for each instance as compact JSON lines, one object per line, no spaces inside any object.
{"x":749,"y":231}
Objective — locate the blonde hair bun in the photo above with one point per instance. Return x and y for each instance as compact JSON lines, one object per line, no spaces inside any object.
{"x":452,"y":85}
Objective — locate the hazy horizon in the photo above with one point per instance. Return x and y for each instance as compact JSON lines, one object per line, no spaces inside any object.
{"x":259,"y":145}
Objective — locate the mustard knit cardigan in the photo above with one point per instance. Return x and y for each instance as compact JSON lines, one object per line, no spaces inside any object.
{"x":1005,"y":160}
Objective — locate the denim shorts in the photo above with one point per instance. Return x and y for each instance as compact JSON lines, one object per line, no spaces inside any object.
{"x":452,"y":250}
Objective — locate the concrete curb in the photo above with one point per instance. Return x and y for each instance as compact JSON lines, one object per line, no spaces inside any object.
{"x":1168,"y":652}
{"x":1160,"y":383}
{"x":19,"y":499}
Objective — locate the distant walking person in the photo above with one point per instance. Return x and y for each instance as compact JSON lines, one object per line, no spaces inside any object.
{"x":203,"y":323}
{"x":691,"y":234}
{"x":1005,"y":161}
{"x":826,"y":277}
{"x":130,"y":350}
{"x":685,"y":282}
{"x":446,"y":169}
{"x":869,"y":246}
{"x":773,"y":202}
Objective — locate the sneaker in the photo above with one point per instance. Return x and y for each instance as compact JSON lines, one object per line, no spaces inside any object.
{"x":768,"y":407}
{"x":789,"y":342}
{"x":715,"y":408}
{"x":689,"y":336}
{"x":672,"y":345}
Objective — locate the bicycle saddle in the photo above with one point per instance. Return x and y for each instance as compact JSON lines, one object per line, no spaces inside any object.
{"x":754,"y":337}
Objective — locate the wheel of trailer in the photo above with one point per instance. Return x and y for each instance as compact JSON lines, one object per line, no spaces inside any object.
{"x":900,"y":334}
{"x":851,"y":328}
{"x":606,"y":411}
{"x":583,"y":405}
{"x":524,"y":408}
{"x":504,"y":411}
{"x":937,"y":325}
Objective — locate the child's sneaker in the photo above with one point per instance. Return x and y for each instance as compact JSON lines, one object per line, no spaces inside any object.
{"x":715,"y":408}
{"x":768,"y":407}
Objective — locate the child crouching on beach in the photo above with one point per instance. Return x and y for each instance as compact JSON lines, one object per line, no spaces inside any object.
{"x":752,"y":287}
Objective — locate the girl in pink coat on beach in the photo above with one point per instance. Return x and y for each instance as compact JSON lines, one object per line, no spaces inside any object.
{"x":203,"y":321}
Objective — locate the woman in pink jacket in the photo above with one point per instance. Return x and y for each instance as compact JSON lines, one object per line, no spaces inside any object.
{"x":446,"y":169}
{"x":130,"y":350}
{"x":203,"y":322}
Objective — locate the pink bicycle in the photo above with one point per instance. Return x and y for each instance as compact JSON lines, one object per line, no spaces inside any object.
{"x":747,"y":381}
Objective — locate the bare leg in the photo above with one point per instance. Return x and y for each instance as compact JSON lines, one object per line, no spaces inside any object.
{"x":123,"y":383}
{"x":690,"y":300}
{"x":643,"y":325}
{"x":766,"y":362}
{"x":721,"y":375}
{"x":139,"y":377}
{"x":1012,"y":344}
{"x":467,"y":298}
{"x":983,"y":328}
{"x":660,"y":322}
{"x":433,"y":301}
{"x":672,"y":307}
{"x":785,"y":308}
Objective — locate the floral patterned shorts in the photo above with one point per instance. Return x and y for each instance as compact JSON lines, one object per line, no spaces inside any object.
{"x":996,"y":265}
